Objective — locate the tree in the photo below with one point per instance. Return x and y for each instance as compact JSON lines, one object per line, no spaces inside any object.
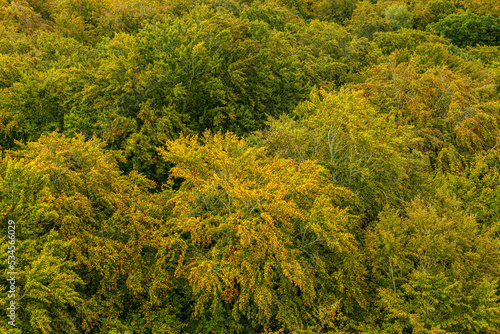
{"x":477,"y":186}
{"x":46,"y":283}
{"x":435,"y":270}
{"x":367,"y":19}
{"x":22,"y":18}
{"x":206,"y":70}
{"x":441,"y":9}
{"x":469,"y":29}
{"x":34,"y":105}
{"x":37,"y":93}
{"x":404,"y":39}
{"x":481,"y":7}
{"x":91,"y":233}
{"x":445,"y":106}
{"x":398,"y":16}
{"x":334,"y":10}
{"x":362,"y":150}
{"x":330,"y":55}
{"x":265,"y":238}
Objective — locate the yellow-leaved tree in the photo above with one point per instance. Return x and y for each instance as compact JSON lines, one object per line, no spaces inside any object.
{"x":267,"y":246}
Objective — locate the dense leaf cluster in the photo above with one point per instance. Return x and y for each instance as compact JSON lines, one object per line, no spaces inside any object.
{"x":224,"y":166}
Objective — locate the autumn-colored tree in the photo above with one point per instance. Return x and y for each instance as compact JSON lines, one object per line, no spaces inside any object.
{"x":477,"y":186}
{"x":46,"y":283}
{"x":37,"y":91}
{"x":439,"y":9}
{"x":90,"y":233}
{"x":435,"y":270}
{"x":398,"y":16}
{"x":362,"y":150}
{"x":357,"y":190}
{"x":445,"y":107}
{"x":404,"y":39}
{"x":331,"y":55}
{"x":334,"y":10}
{"x":186,"y":74}
{"x":481,"y":7}
{"x":21,"y":17}
{"x":266,"y":245}
{"x":367,"y":19}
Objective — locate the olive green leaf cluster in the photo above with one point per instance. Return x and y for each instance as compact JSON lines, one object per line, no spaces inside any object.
{"x":239,"y":166}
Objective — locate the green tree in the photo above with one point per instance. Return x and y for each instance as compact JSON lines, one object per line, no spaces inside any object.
{"x":206,"y":70}
{"x":362,"y":150}
{"x":469,"y":29}
{"x":46,"y":282}
{"x":22,"y":18}
{"x":435,"y":270}
{"x":477,"y":186}
{"x":34,"y":105}
{"x":330,"y":55}
{"x":404,"y":39}
{"x":367,"y":19}
{"x":398,"y":16}
{"x":450,"y":104}
{"x":334,"y":10}
{"x":91,"y":235}
{"x":441,"y":8}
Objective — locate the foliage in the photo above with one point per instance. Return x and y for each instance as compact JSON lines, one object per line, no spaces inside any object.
{"x":251,"y":166}
{"x":398,"y":16}
{"x":334,"y":10}
{"x":186,"y":74}
{"x":262,"y":248}
{"x":407,"y":39}
{"x":441,"y":8}
{"x":362,"y":150}
{"x":436,"y":271}
{"x":100,"y":216}
{"x":445,"y":107}
{"x":367,"y":19}
{"x":469,"y":29}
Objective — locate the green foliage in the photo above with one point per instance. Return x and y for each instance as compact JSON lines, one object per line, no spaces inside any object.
{"x":367,"y":20}
{"x":436,"y":271}
{"x":441,"y":8}
{"x":34,"y":104}
{"x":477,"y":187}
{"x":101,"y":215}
{"x":489,"y":55}
{"x":240,"y":166}
{"x":277,"y":17}
{"x":331,"y":55}
{"x":334,"y":10}
{"x":22,"y":18}
{"x":362,"y":150}
{"x":301,"y":6}
{"x":469,"y":29}
{"x":186,"y":74}
{"x":45,"y":282}
{"x":445,"y":107}
{"x":407,"y":39}
{"x":219,"y":86}
{"x":398,"y":16}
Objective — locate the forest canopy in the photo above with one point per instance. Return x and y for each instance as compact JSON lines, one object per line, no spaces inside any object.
{"x":250,"y":166}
